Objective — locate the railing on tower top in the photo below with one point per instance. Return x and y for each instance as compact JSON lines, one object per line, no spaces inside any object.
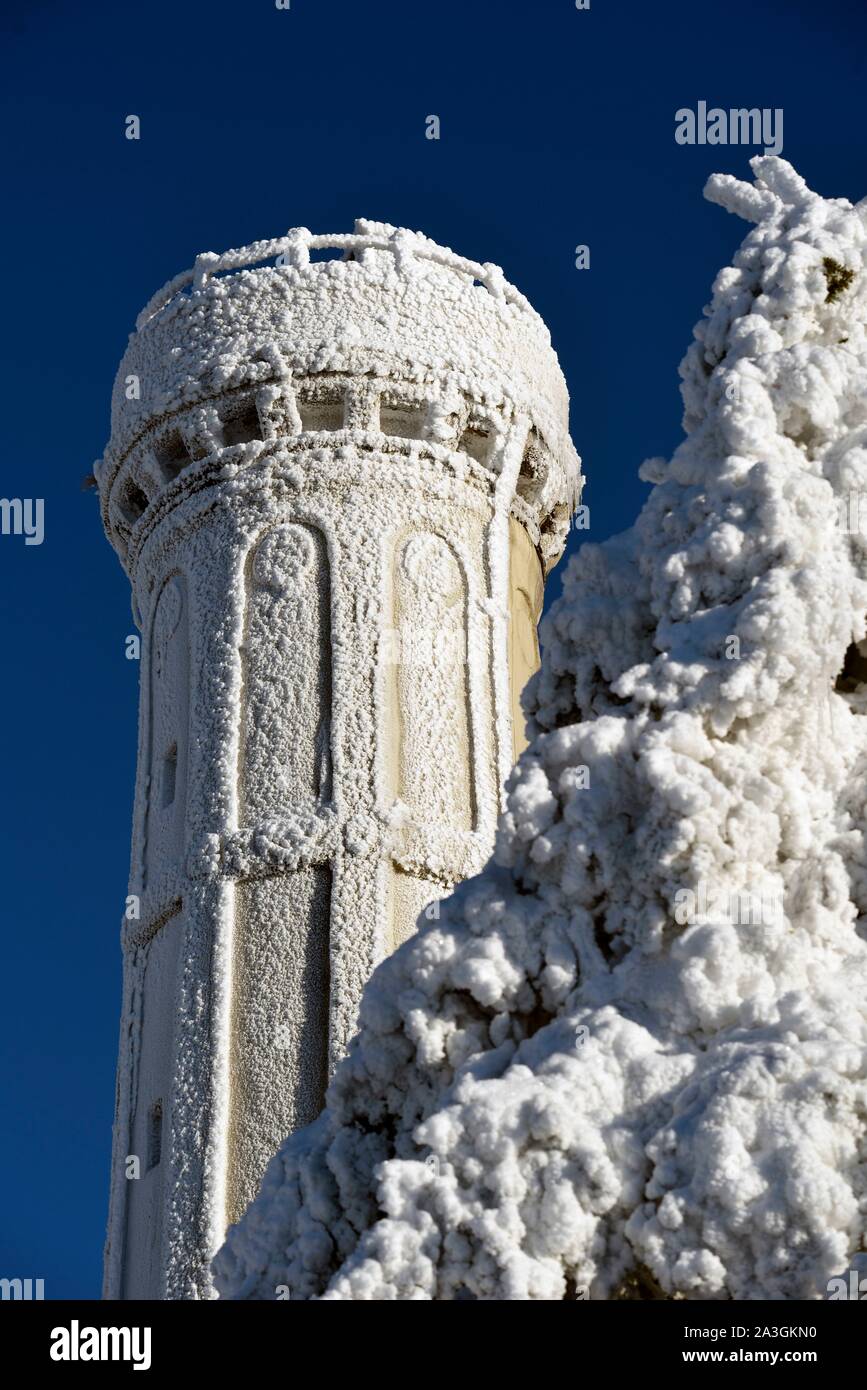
{"x":297,"y":244}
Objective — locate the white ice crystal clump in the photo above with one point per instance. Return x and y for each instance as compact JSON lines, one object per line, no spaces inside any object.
{"x":632,"y":1056}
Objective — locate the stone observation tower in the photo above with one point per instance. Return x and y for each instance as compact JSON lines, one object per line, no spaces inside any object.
{"x":336,"y":486}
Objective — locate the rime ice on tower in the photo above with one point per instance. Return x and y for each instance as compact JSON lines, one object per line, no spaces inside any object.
{"x":336,"y":487}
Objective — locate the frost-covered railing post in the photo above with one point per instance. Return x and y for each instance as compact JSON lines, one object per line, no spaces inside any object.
{"x":336,"y":487}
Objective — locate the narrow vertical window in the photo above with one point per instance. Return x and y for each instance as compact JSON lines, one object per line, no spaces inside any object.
{"x":155,"y":1134}
{"x":170,"y":775}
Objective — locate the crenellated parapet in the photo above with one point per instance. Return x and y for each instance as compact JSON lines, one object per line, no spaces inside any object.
{"x":401,"y":345}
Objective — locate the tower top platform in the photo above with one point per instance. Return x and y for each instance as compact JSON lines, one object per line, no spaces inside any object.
{"x":390,"y":305}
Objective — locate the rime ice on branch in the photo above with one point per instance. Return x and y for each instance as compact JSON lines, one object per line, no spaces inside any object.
{"x":568,"y":1083}
{"x":336,"y":487}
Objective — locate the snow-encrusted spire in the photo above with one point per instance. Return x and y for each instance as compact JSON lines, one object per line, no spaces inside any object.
{"x":632,"y":1056}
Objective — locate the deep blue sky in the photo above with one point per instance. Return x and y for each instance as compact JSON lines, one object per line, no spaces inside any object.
{"x":557,"y":129}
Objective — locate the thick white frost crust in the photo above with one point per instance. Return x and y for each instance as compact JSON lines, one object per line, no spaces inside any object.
{"x":560,"y":1084}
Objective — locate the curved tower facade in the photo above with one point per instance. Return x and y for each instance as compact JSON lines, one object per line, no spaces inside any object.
{"x":336,"y":486}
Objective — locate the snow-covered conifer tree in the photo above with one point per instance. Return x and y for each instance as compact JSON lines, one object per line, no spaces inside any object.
{"x":631,"y":1056}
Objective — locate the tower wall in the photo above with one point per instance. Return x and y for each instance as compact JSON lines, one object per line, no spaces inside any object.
{"x":336,"y":494}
